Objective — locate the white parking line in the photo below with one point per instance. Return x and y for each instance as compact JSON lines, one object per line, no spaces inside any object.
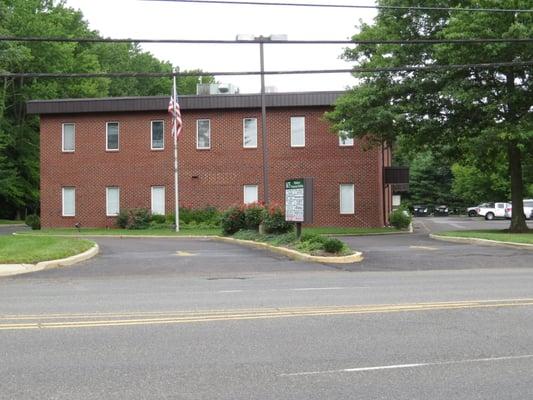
{"x":417,"y":365}
{"x":305,"y":289}
{"x":318,"y":288}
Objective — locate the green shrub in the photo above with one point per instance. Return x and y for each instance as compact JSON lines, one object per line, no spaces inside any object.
{"x":246,"y":234}
{"x":253,"y":216}
{"x":123,"y":218}
{"x":33,"y":221}
{"x":207,"y":216}
{"x":311,"y":242}
{"x":274,"y":221}
{"x":158,"y":219}
{"x":311,"y":237}
{"x":332,"y":245}
{"x":232,"y":220}
{"x":400,"y":219}
{"x":160,"y":225}
{"x":139,"y":218}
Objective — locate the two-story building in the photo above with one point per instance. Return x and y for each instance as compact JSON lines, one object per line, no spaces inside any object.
{"x":101,"y":155}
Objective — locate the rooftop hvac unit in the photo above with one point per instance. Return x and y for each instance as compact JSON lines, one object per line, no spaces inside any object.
{"x":206,"y":89}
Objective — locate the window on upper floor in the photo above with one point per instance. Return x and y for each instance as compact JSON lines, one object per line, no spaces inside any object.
{"x":203,"y":134}
{"x":251,"y":194}
{"x":297,"y":131}
{"x":249,"y":133}
{"x":68,"y":201}
{"x":112,"y":133}
{"x":344,"y":140}
{"x":347,"y":198}
{"x":112,"y":201}
{"x":158,"y":135}
{"x":68,"y":137}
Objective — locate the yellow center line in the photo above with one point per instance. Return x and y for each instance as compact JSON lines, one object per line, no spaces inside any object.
{"x":218,"y":311}
{"x":232,"y":315}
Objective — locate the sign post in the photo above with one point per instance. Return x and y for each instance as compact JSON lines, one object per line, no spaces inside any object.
{"x":299,"y":202}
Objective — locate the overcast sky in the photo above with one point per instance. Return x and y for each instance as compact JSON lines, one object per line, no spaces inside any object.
{"x":170,"y":20}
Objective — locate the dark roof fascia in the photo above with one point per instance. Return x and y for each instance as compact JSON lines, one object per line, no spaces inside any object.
{"x":191,"y":102}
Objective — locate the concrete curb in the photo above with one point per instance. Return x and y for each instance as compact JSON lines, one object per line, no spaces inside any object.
{"x":125,"y":236}
{"x":484,"y":242}
{"x":18,"y":269}
{"x":293,"y":254}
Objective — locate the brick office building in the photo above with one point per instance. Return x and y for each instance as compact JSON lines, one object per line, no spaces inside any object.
{"x":101,"y":155}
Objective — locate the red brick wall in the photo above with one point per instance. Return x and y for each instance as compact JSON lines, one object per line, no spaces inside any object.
{"x":207,"y":177}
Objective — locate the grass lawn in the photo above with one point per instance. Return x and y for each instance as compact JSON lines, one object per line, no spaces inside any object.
{"x":185,"y":231}
{"x":30,"y":250}
{"x":11,"y":222}
{"x":349,"y":231}
{"x":499,"y":235}
{"x":195,"y":231}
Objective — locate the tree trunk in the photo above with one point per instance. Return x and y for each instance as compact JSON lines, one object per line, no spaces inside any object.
{"x":518,"y":220}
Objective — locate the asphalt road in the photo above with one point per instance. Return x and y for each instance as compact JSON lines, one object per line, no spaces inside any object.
{"x":196,"y":319}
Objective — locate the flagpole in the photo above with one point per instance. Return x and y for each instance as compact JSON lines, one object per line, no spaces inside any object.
{"x":175,"y":136}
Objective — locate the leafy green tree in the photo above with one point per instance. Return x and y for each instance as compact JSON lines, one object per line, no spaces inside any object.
{"x":474,"y":113}
{"x":19,"y":133}
{"x":430,"y":181}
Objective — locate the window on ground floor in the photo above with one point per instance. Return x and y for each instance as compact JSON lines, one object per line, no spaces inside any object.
{"x":250,"y":194}
{"x":347,"y":198}
{"x":69,"y":202}
{"x":158,"y":200}
{"x":112,"y":201}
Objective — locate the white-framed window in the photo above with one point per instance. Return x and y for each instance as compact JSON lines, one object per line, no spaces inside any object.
{"x":112,"y":133}
{"x":68,"y":195}
{"x":112,"y":201}
{"x":297,"y":131}
{"x":68,"y":137}
{"x":203,"y":134}
{"x":158,"y":200}
{"x":251,"y":194}
{"x":249,"y":132}
{"x":157,"y":135}
{"x":344,"y":140}
{"x":347,"y":198}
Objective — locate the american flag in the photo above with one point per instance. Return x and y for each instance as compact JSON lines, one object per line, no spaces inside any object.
{"x":175,"y":113}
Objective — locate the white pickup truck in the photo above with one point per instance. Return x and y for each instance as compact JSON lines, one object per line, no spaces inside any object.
{"x":492,"y":210}
{"x":528,"y":209}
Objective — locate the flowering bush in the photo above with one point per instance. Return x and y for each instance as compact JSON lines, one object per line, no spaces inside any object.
{"x":232,"y":220}
{"x":253,"y":215}
{"x":274,"y":220}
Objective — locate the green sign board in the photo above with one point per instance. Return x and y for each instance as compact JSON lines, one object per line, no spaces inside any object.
{"x":294,"y":200}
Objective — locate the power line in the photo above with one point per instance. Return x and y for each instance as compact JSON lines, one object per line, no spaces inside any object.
{"x":242,"y":73}
{"x":218,"y":41}
{"x":406,"y":8}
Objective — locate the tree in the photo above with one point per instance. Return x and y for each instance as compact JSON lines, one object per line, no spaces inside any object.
{"x":430,"y":181}
{"x":19,"y":133}
{"x":472,"y":113}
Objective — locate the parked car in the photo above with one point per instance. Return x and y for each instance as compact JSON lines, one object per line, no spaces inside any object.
{"x":442,"y":211}
{"x":492,"y":210}
{"x":421,"y":211}
{"x":528,"y":209}
{"x":472,"y":211}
